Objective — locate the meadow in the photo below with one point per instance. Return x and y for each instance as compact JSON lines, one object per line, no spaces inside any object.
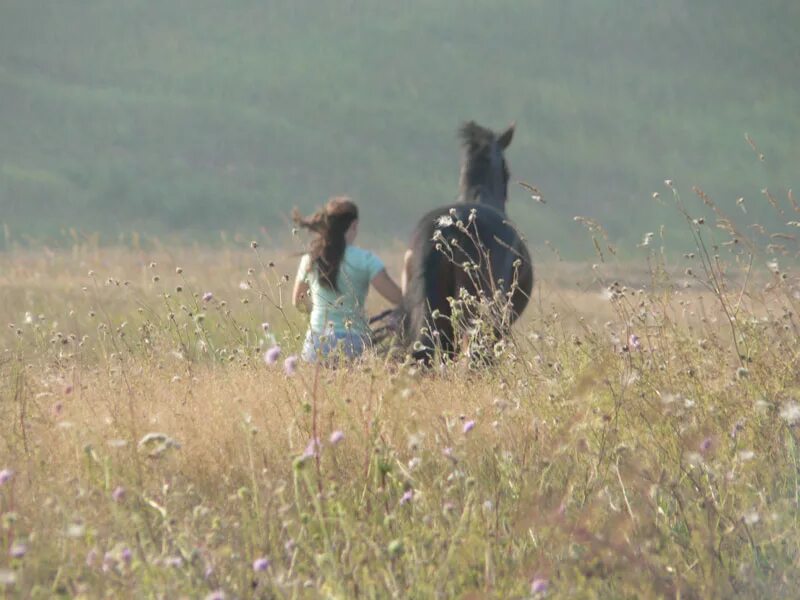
{"x":637,"y":436}
{"x":189,"y":117}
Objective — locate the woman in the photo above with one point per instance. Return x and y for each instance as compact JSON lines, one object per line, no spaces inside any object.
{"x":333,"y":280}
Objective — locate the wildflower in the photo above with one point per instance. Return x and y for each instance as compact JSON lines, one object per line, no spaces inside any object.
{"x":336,"y":437}
{"x":271,"y":355}
{"x":751,"y":518}
{"x":91,"y":558}
{"x":5,"y":476}
{"x":746,"y":455}
{"x":407,"y":497}
{"x":469,"y":426}
{"x":174,"y":561}
{"x":7,"y":577}
{"x":444,"y":221}
{"x":18,"y":550}
{"x":705,"y":445}
{"x":265,"y":327}
{"x":290,"y":365}
{"x":260,"y":565}
{"x":311,"y":449}
{"x":791,"y":412}
{"x":108,"y":562}
{"x":539,"y":585}
{"x":289,"y":546}
{"x":254,"y":244}
{"x":737,"y":427}
{"x":448,"y":506}
{"x":126,"y":555}
{"x":207,"y":297}
{"x":118,"y":495}
{"x":634,"y":342}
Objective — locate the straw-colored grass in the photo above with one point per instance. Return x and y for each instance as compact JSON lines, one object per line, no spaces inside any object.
{"x":620,"y":447}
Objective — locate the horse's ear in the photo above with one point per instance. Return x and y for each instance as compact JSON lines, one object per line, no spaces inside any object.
{"x":504,"y":139}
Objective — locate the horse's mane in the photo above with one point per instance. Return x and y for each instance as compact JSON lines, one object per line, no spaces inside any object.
{"x":480,"y":154}
{"x":474,"y":138}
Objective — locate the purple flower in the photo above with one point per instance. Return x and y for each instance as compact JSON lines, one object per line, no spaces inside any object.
{"x":469,"y":426}
{"x":126,"y":555}
{"x":118,"y":495}
{"x":538,"y":585}
{"x":312,"y":449}
{"x":336,"y":437}
{"x":207,"y":297}
{"x":108,"y":562}
{"x":290,"y":365}
{"x":174,"y":561}
{"x":18,"y":550}
{"x":5,"y":476}
{"x":634,"y":342}
{"x":737,"y":428}
{"x":91,"y":558}
{"x":260,"y":564}
{"x":271,"y":355}
{"x":705,"y":445}
{"x":407,"y":497}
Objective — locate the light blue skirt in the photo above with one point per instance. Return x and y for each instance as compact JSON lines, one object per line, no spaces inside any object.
{"x":332,"y":346}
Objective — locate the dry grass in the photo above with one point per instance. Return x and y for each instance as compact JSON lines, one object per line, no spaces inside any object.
{"x":599,"y":464}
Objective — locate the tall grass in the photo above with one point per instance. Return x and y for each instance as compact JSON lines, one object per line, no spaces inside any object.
{"x":636,"y":438}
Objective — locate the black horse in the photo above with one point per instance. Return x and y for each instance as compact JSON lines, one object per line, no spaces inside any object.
{"x":467,"y":267}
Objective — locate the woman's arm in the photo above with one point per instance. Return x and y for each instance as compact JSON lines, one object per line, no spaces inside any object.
{"x":387,"y":287}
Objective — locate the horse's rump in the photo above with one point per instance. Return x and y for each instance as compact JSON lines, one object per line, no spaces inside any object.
{"x":464,"y":248}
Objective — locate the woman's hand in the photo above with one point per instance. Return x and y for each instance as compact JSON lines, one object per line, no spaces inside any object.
{"x":300,"y":297}
{"x":387,"y":287}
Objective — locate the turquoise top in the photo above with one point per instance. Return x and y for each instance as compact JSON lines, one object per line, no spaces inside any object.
{"x":343,"y":310}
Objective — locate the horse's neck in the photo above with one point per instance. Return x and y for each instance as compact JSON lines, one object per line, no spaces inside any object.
{"x":481,"y":196}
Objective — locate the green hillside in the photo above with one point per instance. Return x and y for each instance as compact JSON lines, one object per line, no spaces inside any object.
{"x":192,"y":116}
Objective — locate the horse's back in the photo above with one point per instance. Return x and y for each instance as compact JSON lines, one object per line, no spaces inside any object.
{"x":467,"y":246}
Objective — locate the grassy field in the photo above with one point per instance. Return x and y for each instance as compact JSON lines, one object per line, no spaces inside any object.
{"x":192,"y":116}
{"x":637,"y":437}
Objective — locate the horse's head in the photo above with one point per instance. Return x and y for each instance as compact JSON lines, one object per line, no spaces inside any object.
{"x":484,"y":172}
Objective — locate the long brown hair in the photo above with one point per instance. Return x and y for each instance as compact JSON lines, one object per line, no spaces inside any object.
{"x":329,"y":223}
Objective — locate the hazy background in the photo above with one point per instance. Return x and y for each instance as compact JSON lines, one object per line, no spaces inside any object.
{"x":184,"y":118}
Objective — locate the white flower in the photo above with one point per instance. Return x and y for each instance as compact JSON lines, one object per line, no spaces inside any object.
{"x":791,"y":412}
{"x":444,"y":221}
{"x":751,"y":518}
